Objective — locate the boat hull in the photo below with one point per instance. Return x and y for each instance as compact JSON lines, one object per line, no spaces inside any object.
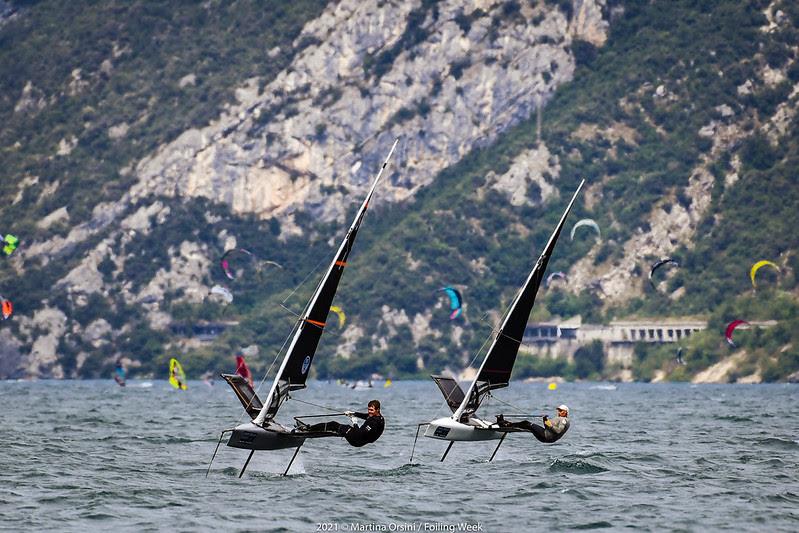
{"x":449,"y":429}
{"x":248,"y":436}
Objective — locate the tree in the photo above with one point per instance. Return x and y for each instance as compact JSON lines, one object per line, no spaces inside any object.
{"x":589,"y":359}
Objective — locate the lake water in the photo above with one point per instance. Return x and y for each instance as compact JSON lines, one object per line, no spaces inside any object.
{"x":91,"y":456}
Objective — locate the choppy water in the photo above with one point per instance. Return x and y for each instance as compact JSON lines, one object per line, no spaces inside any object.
{"x":91,"y":456}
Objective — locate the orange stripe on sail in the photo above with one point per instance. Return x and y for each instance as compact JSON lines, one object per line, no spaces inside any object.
{"x":315,"y":323}
{"x":341,"y":263}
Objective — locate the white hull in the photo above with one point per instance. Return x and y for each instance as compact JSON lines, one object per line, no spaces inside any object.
{"x":448,"y":429}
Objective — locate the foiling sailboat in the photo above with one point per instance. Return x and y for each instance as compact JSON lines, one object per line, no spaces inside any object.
{"x":263,"y":432}
{"x":495,"y":371}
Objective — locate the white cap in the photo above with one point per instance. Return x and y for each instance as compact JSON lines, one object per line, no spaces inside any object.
{"x":563,"y":407}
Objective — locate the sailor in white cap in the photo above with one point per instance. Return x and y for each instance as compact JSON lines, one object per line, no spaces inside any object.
{"x":552,"y":430}
{"x":559,"y":424}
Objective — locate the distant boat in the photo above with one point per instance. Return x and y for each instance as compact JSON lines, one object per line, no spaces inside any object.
{"x":603,"y":387}
{"x":495,"y":371}
{"x":355,"y":385}
{"x":263,"y":432}
{"x":361,"y":385}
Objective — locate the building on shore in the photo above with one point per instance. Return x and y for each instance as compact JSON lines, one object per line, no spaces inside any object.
{"x":563,"y":338}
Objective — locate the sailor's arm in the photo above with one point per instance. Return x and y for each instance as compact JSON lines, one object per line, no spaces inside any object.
{"x":558,"y":424}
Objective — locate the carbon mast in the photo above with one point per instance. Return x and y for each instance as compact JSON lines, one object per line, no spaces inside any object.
{"x":496,"y":368}
{"x":293,"y":370}
{"x":263,"y":433}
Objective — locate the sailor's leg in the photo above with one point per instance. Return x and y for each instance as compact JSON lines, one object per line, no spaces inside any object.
{"x":524,"y":424}
{"x":331,"y":426}
{"x":539,"y":432}
{"x":343,"y":429}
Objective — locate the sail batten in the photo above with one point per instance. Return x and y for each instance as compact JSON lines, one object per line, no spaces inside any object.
{"x":495,"y":371}
{"x":296,"y":363}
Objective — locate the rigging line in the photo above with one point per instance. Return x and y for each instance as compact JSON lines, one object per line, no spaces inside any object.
{"x":324,"y":329}
{"x":446,"y":403}
{"x":495,"y":328}
{"x":301,"y":283}
{"x":268,"y":370}
{"x":334,"y":409}
{"x":496,"y":331}
{"x":319,"y":416}
{"x":290,"y":311}
{"x":517,"y":293}
{"x":520,"y":409}
{"x":298,"y":317}
{"x":488,"y":339}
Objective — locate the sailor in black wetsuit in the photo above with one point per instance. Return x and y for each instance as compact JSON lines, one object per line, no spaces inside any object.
{"x":367,"y":433}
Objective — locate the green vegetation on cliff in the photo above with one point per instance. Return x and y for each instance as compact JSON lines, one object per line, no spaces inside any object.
{"x":630,"y":121}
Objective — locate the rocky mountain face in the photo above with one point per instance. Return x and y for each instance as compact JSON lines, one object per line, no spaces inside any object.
{"x":449,"y":80}
{"x":672,"y":224}
{"x":442,"y":77}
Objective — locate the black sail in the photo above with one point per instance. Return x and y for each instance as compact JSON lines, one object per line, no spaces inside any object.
{"x":313,"y":322}
{"x":498,"y":364}
{"x":293,"y":371}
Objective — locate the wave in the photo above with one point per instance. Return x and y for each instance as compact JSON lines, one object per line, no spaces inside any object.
{"x":399,"y":471}
{"x":233,"y":472}
{"x":580,"y":494}
{"x":704,"y":461}
{"x":771,"y":461}
{"x":602,"y":524}
{"x":80,"y":420}
{"x":576,"y":465}
{"x":99,"y":515}
{"x":735,"y":418}
{"x":527,"y":491}
{"x":157,"y":439}
{"x":784,"y":497}
{"x":778,"y":443}
{"x":621,"y":457}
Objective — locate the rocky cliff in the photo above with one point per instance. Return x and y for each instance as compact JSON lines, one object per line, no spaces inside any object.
{"x":499,"y":106}
{"x":442,"y":77}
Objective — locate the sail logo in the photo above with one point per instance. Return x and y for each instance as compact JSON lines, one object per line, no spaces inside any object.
{"x":306,"y":363}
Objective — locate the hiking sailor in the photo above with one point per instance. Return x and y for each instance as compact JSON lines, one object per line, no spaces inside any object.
{"x":367,"y":433}
{"x":553,"y":429}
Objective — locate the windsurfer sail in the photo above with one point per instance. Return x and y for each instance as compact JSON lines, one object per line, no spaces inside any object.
{"x":495,"y":371}
{"x":263,"y":432}
{"x":243,"y":370}
{"x":177,"y":377}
